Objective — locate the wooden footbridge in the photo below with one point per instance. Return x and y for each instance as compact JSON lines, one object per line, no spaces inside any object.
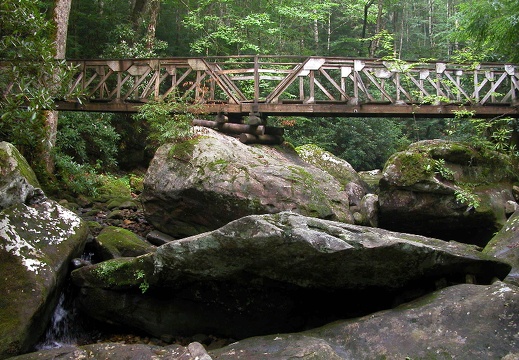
{"x":285,"y":86}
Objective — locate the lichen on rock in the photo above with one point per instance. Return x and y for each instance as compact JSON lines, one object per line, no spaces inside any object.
{"x":214,"y":179}
{"x":36,"y":245}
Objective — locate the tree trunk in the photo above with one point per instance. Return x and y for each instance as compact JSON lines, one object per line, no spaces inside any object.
{"x":61,"y":16}
{"x":430,"y":22}
{"x":316,"y":32}
{"x":152,"y":24}
{"x":365,"y":25}
{"x":137,"y":11}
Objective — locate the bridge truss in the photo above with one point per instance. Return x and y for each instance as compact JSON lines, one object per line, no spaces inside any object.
{"x":307,"y":86}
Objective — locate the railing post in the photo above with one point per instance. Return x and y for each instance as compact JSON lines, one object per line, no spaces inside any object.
{"x":256,"y":80}
{"x":476,"y":85}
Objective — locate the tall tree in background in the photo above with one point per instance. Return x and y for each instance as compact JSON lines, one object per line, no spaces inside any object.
{"x":30,"y":78}
{"x":60,"y":17}
{"x":492,"y":26}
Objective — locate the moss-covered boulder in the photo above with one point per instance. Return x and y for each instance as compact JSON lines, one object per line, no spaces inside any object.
{"x":37,"y":244}
{"x":18,"y":183}
{"x":447,"y":190}
{"x":274,"y":273}
{"x":113,"y":242}
{"x":205,"y":182}
{"x":505,"y":245}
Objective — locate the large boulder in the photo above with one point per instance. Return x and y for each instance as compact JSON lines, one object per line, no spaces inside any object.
{"x":38,"y":238}
{"x":446,"y":190}
{"x":37,"y":244}
{"x":460,"y":322}
{"x":505,"y":246}
{"x":274,"y":273}
{"x":18,"y":183}
{"x":205,"y":182}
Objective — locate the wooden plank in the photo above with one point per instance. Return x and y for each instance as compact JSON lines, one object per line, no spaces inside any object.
{"x":323,"y":89}
{"x":377,"y":85}
{"x":344,"y":96}
{"x":372,"y":110}
{"x":314,"y":63}
{"x":492,"y":90}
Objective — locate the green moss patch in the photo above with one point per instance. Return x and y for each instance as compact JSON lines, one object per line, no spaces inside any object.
{"x":114,"y":242}
{"x":183,"y":151}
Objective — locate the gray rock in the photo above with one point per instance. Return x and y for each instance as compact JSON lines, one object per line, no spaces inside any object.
{"x":340,"y":169}
{"x":446,"y":190}
{"x":204,"y":183}
{"x":274,"y":273}
{"x":369,"y":210}
{"x":18,"y":183}
{"x":505,"y":246}
{"x":511,"y":207}
{"x":37,"y":243}
{"x":158,"y":238}
{"x":460,"y":322}
{"x":117,"y":351}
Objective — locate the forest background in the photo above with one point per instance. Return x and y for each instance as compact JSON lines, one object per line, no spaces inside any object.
{"x":85,"y":145}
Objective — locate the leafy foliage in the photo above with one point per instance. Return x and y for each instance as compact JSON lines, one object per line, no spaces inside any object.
{"x":30,"y":78}
{"x":75,"y":178}
{"x":499,"y":134}
{"x":88,"y":139}
{"x":365,"y":143}
{"x":127,"y":44}
{"x":169,"y":119}
{"x":491,"y":26}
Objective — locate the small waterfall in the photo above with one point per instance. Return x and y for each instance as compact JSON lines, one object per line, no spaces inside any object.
{"x":60,"y":330}
{"x":66,"y":326}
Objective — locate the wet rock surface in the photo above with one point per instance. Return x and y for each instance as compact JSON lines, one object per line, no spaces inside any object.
{"x":118,"y":351}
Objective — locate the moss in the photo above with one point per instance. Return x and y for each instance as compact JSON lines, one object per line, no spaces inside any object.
{"x":219,"y":164}
{"x":123,"y":272}
{"x":415,"y":167}
{"x":113,"y":187}
{"x":8,"y":151}
{"x":122,"y":203}
{"x":318,"y":204}
{"x":183,"y":151}
{"x":118,"y":242}
{"x":136,"y":183}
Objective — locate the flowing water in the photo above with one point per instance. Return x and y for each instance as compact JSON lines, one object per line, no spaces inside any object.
{"x":67,"y":327}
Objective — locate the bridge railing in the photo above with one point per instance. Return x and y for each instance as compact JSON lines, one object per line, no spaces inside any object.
{"x":271,"y":79}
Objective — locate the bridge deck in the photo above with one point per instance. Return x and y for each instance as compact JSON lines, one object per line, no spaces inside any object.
{"x":311,"y":86}
{"x":313,"y":110}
